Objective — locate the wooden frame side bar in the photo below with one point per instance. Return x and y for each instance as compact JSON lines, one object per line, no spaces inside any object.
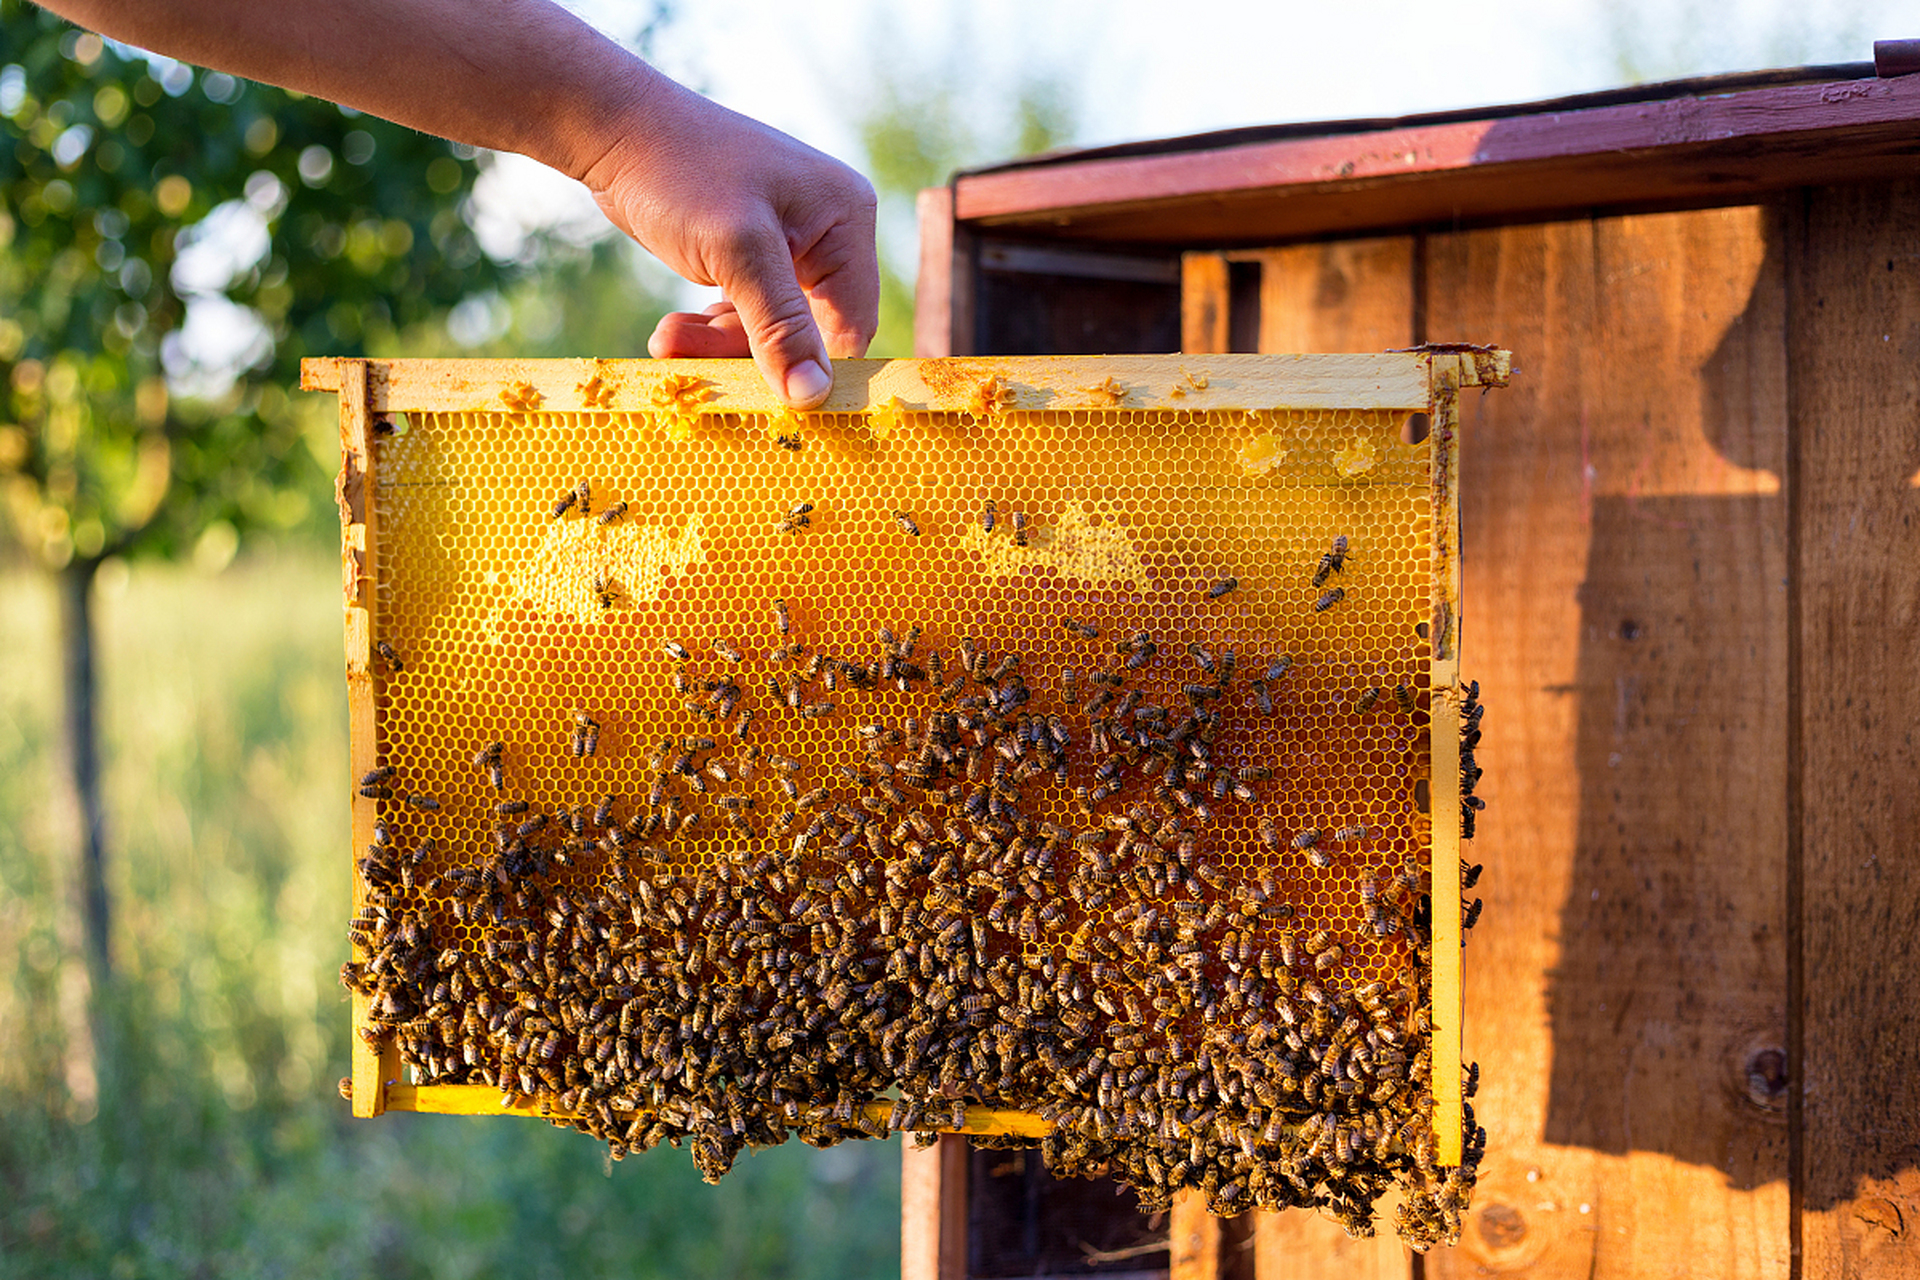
{"x":1394,"y":380}
{"x":359,"y":529}
{"x":1443,"y":718}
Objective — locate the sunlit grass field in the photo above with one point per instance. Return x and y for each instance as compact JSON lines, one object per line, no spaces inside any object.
{"x":191,"y":1126}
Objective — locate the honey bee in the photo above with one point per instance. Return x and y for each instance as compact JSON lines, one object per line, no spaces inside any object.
{"x":427,"y":803}
{"x":603,"y":592}
{"x":1403,"y":696}
{"x":1472,"y":916}
{"x":346,"y":1088}
{"x":509,"y":808}
{"x":586,"y":734}
{"x":1333,"y":562}
{"x":780,"y":617}
{"x":490,"y":759}
{"x":1085,"y":631}
{"x":907,"y":524}
{"x":1279,"y":667}
{"x":1355,"y":832}
{"x":1367,"y":698}
{"x":1262,"y":697}
{"x":583,"y":495}
{"x":387,"y":653}
{"x":1221,"y":587}
{"x":798,"y":516}
{"x":374,"y":777}
{"x":613,"y":513}
{"x":563,"y":505}
{"x":988,"y":517}
{"x":726,"y":650}
{"x":1469,"y":875}
{"x":1019,"y":528}
{"x":1307,"y":839}
{"x":1269,"y":833}
{"x":675,"y":650}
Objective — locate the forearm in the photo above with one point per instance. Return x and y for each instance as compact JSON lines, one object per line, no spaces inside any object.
{"x":441,"y":66}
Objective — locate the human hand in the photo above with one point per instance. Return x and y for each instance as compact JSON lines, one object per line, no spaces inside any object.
{"x":786,"y":233}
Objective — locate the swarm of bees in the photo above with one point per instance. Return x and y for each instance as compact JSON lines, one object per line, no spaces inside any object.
{"x":916,"y":925}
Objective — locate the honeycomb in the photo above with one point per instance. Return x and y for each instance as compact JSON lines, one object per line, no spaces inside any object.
{"x":751,"y":624}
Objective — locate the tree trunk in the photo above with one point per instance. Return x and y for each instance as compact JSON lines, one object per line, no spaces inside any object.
{"x":78,"y":688}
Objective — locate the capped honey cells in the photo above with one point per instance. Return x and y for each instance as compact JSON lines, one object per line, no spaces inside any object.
{"x":736,"y":784}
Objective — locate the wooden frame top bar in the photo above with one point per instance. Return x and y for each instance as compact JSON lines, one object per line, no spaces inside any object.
{"x":1396,"y":380}
{"x":1699,"y":148}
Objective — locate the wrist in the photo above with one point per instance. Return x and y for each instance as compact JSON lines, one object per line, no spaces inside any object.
{"x":605,"y":98}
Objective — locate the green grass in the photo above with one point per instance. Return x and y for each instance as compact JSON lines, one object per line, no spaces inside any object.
{"x":200,"y":1133}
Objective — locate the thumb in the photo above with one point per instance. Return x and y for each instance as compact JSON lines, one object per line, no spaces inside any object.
{"x":761,"y":283}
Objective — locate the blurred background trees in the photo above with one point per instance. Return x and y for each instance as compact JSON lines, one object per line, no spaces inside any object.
{"x":174,"y":243}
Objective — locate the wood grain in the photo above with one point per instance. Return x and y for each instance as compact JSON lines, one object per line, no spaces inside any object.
{"x":1339,"y":295}
{"x":1193,"y":1240}
{"x":1855,"y":307}
{"x":1204,"y":305}
{"x":1625,"y":615}
{"x":933,"y":1210}
{"x":933,"y":285}
{"x":1300,"y":1245}
{"x":1710,"y":148}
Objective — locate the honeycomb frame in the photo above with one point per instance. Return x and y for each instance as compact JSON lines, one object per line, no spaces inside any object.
{"x":1268,"y":407}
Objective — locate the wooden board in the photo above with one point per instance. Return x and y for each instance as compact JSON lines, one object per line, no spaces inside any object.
{"x":933,"y":293}
{"x":1855,"y":307}
{"x":1297,"y":1245}
{"x":1709,"y":148}
{"x":933,"y":1210}
{"x":1626,"y":616}
{"x":1341,"y":295}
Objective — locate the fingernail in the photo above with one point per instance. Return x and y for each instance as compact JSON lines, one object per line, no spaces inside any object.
{"x":807,"y":383}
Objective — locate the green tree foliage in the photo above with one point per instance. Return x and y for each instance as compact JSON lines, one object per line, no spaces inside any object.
{"x":133,"y":191}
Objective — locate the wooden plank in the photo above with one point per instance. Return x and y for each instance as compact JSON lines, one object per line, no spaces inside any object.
{"x":1204,"y":305}
{"x":1299,"y":1245}
{"x":1193,"y":1240}
{"x":1341,"y":295}
{"x":359,"y":526}
{"x":1365,"y":381}
{"x":933,"y":1210}
{"x":1706,"y":149}
{"x":1625,"y":616}
{"x":1855,"y":307}
{"x":933,"y":286}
